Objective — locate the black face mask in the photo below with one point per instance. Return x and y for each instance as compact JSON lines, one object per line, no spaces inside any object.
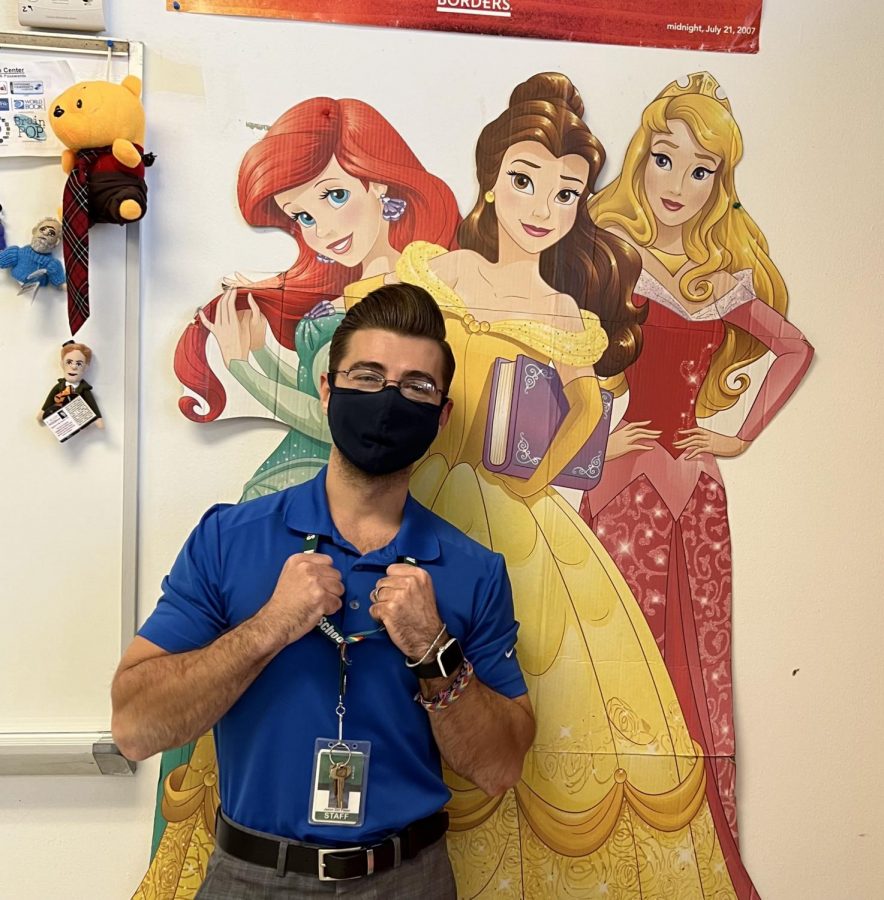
{"x":381,"y":432}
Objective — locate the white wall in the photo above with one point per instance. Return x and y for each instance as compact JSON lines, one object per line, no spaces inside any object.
{"x":803,"y":501}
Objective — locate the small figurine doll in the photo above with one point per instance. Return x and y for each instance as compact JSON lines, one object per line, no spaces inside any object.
{"x":35,"y":266}
{"x":75,"y":359}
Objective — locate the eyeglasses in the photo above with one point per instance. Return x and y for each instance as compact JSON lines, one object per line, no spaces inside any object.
{"x":417,"y":389}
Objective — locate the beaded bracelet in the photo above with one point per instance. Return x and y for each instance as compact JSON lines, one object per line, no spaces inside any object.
{"x":444,"y":699}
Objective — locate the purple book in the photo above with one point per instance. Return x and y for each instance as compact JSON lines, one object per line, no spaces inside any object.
{"x":526,"y":407}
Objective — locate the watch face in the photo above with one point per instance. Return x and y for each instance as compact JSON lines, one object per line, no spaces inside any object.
{"x":450,"y":657}
{"x":448,"y":660}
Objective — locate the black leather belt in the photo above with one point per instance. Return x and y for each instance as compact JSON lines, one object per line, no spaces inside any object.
{"x":333,"y":863}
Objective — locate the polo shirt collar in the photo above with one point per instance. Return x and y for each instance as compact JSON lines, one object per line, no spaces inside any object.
{"x":306,"y":507}
{"x":417,"y":534}
{"x":306,"y":511}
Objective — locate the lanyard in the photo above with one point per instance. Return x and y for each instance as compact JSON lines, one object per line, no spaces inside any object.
{"x":327,"y":628}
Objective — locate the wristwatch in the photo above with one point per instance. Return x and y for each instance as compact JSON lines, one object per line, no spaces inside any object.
{"x":449,"y":658}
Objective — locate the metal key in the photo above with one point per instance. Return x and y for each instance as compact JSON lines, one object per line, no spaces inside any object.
{"x":339,"y":773}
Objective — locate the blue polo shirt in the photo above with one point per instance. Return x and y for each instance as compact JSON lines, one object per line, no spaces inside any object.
{"x":227,"y":571}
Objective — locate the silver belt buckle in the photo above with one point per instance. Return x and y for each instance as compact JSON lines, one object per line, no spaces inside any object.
{"x":322,"y":853}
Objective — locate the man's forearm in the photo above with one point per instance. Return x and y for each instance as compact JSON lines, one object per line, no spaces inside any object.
{"x":483,"y":736}
{"x":168,"y":700}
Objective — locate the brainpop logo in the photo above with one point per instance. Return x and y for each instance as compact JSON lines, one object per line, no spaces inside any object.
{"x":501,"y":8}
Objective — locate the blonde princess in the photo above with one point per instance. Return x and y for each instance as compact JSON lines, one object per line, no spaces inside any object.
{"x":715,"y":304}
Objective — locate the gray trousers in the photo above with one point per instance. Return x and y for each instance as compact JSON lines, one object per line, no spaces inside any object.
{"x":426,"y":877}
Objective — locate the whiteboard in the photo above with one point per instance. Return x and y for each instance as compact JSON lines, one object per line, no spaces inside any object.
{"x":68,"y":548}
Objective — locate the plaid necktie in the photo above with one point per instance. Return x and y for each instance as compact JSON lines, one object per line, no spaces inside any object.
{"x":75,"y":236}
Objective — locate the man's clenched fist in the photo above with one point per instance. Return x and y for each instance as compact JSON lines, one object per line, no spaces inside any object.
{"x":405,"y":603}
{"x":309,"y":587}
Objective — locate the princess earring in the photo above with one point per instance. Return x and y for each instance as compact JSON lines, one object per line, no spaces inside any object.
{"x":391,"y":208}
{"x":489,"y":196}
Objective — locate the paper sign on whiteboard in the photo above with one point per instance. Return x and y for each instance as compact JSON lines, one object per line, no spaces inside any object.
{"x":27,"y":89}
{"x":71,"y":15}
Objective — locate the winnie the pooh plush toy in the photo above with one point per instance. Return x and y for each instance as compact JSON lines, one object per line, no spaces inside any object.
{"x":102,"y":125}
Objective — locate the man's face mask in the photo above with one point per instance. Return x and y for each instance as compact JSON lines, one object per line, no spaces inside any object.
{"x":381,"y":432}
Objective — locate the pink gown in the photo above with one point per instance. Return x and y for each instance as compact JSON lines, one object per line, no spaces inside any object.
{"x":664,"y":521}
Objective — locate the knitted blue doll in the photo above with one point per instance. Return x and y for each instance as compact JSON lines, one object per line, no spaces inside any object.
{"x":35,"y":266}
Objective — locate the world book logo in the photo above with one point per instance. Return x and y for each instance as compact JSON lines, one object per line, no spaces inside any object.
{"x":500,"y":8}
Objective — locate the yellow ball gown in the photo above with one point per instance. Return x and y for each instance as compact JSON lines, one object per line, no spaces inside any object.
{"x":612,"y":797}
{"x":190,"y":798}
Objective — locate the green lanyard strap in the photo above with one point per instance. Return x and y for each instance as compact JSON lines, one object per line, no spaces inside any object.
{"x":328,"y":630}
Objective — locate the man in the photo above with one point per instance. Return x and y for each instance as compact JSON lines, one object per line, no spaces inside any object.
{"x":306,"y":624}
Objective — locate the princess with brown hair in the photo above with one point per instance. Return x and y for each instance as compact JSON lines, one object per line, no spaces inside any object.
{"x":612,"y":797}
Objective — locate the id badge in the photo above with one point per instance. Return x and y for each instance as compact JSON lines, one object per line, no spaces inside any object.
{"x":340,"y":778}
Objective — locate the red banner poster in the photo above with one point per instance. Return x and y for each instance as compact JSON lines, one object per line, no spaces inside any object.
{"x":726,"y":25}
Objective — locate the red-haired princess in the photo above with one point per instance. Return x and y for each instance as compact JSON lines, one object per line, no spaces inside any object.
{"x":716,"y":304}
{"x":341,"y":180}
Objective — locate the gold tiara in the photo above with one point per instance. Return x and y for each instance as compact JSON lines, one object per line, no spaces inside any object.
{"x":698,"y":83}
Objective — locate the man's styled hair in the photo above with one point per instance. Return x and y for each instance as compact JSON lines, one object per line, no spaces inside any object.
{"x":404,"y":309}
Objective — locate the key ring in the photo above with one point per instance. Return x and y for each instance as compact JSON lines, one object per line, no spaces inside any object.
{"x":339,"y":745}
